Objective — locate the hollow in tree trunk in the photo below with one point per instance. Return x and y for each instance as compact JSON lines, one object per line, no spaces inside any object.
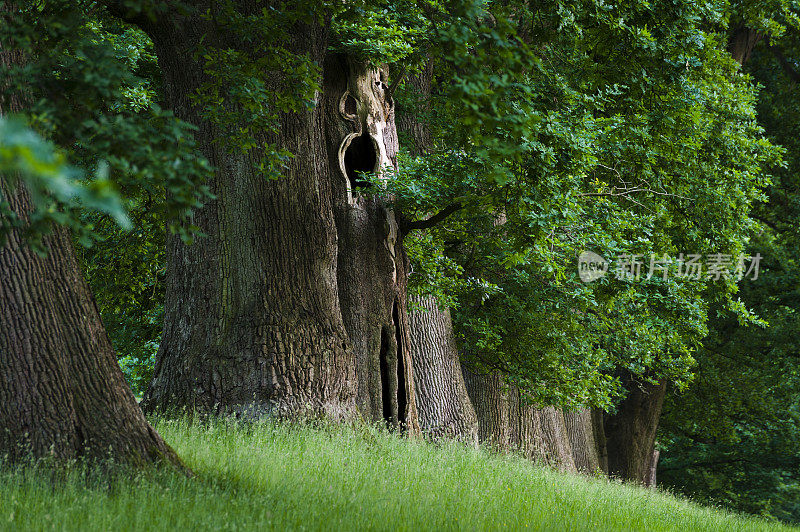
{"x":371,"y":264}
{"x":294,"y":301}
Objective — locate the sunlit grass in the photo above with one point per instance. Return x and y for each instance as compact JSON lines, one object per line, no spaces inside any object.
{"x":273,"y":476}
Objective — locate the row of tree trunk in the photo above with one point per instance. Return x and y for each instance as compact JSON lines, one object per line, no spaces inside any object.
{"x":589,"y":441}
{"x":458,"y":402}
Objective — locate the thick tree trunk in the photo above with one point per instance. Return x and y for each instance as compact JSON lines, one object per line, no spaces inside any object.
{"x":372,"y":264}
{"x":584,"y":446}
{"x":631,"y":432}
{"x":62,"y":393}
{"x":653,"y":468}
{"x":558,"y":451}
{"x":61,"y":390}
{"x":252,"y":319}
{"x":741,"y":43}
{"x":507,"y":423}
{"x":295,"y":301}
{"x":445,"y":409}
{"x":599,"y":432}
{"x":412,"y":124}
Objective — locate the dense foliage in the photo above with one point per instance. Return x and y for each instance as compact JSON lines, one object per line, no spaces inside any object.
{"x":646,"y":144}
{"x":733,"y":438}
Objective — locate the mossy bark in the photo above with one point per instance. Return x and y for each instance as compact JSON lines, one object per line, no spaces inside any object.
{"x":252,"y":321}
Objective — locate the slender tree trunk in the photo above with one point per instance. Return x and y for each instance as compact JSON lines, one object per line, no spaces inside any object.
{"x":631,"y":432}
{"x":445,"y":409}
{"x":507,"y":423}
{"x":62,"y":392}
{"x":585,"y":450}
{"x":252,"y":320}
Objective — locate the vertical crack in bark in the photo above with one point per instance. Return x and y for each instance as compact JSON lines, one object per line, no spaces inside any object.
{"x":386,"y":389}
{"x":401,"y":368}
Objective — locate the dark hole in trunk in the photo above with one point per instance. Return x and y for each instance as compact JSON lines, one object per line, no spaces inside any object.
{"x":350,"y":107}
{"x":401,"y":369}
{"x":360,"y":156}
{"x":386,"y":388}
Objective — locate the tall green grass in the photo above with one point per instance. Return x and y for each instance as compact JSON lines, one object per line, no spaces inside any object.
{"x":276,"y":476}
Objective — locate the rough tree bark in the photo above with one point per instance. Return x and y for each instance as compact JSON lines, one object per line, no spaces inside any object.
{"x":507,"y":423}
{"x":416,"y":132}
{"x":653,"y":468}
{"x":631,"y":432}
{"x":252,"y":319}
{"x":584,"y":446}
{"x":62,"y":392}
{"x":445,"y":409}
{"x":599,"y":432}
{"x":294,"y":302}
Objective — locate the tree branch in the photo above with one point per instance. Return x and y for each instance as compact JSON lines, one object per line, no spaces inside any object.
{"x":396,"y":82}
{"x":433,"y":220}
{"x":790,"y":70}
{"x":618,"y":192}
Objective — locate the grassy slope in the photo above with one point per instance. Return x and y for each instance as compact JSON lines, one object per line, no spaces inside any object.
{"x":272,"y":476}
